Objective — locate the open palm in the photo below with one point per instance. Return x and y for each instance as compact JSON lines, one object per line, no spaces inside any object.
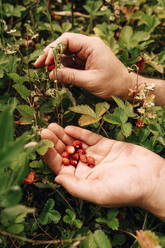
{"x":125,"y":174}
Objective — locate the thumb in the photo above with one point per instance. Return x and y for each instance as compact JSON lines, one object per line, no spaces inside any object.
{"x":67,"y":75}
{"x":80,"y":188}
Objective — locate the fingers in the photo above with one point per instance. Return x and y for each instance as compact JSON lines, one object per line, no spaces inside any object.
{"x":73,"y":76}
{"x":54,"y":160}
{"x":75,"y":43}
{"x":84,"y":135}
{"x":60,"y":133}
{"x":83,"y":189}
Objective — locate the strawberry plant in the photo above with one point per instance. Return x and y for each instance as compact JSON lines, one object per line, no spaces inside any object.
{"x":35,"y":211}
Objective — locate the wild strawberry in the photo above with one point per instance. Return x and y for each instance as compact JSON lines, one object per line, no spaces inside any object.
{"x":81,"y":151}
{"x":90,"y":161}
{"x":75,"y":156}
{"x":70,"y":149}
{"x":66,"y":161}
{"x":83,"y":158}
{"x":65,"y":155}
{"x":77,"y":144}
{"x":73,"y":162}
{"x":51,"y":67}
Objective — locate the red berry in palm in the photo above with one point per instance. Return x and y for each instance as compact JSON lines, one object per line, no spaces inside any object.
{"x":73,"y":162}
{"x":81,"y":151}
{"x":51,"y":67}
{"x":70,"y":149}
{"x":77,"y":144}
{"x":66,"y":161}
{"x":90,"y":161}
{"x":83,"y":158}
{"x":75,"y":156}
{"x":65,"y":155}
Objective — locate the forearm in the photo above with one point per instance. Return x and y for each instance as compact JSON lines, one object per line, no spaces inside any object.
{"x":158,"y":90}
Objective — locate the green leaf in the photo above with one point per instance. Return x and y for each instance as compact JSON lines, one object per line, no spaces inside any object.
{"x":83,"y":109}
{"x":11,"y":151}
{"x":48,"y":214}
{"x":36,"y":164}
{"x":119,"y":102}
{"x":126,"y":129}
{"x":111,"y":220}
{"x":33,"y":56}
{"x":141,"y":36}
{"x":6,"y":126}
{"x":66,"y":26}
{"x":70,"y":217}
{"x":22,"y":90}
{"x":43,"y":146}
{"x":89,"y":242}
{"x":10,"y":197}
{"x":126,"y":35}
{"x":101,"y":239}
{"x":85,"y":120}
{"x":101,"y":108}
{"x":27,"y":112}
{"x":16,"y":228}
{"x":18,"y":79}
{"x":119,"y":117}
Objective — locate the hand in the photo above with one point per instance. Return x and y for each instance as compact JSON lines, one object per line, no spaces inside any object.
{"x":90,"y":64}
{"x":125,"y":174}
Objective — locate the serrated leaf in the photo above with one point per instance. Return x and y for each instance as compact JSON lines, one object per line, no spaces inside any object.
{"x":85,"y":120}
{"x":126,"y":129}
{"x":36,"y":164}
{"x":141,"y":36}
{"x":48,"y":214}
{"x":22,"y":90}
{"x":18,"y":79}
{"x":119,"y":102}
{"x":70,"y":217}
{"x":27,"y":112}
{"x":35,"y":54}
{"x":126,"y":35}
{"x":101,"y":108}
{"x":89,"y":242}
{"x":83,"y":109}
{"x":129,"y":109}
{"x":119,"y":117}
{"x":101,"y":239}
{"x":43,"y":146}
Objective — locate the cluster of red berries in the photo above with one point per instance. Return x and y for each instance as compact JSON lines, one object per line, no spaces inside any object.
{"x":75,"y":152}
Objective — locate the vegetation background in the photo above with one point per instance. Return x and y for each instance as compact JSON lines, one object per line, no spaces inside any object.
{"x":41,"y":213}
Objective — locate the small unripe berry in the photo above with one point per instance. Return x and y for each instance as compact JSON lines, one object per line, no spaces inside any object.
{"x":65,"y":155}
{"x":66,"y":161}
{"x":70,"y":149}
{"x":73,"y":162}
{"x":81,"y":151}
{"x":90,"y":161}
{"x":77,"y":144}
{"x":75,"y":156}
{"x":83,"y":158}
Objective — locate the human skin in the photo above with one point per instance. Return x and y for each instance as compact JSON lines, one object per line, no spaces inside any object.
{"x":96,"y":68}
{"x":125,"y":174}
